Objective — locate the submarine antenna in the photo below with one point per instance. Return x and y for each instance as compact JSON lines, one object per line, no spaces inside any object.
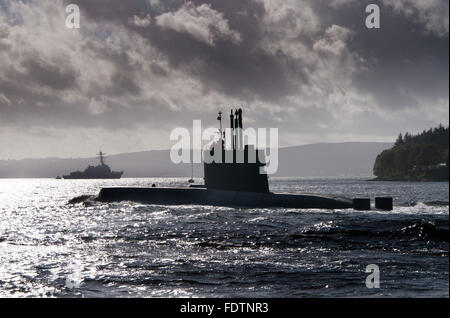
{"x":240,"y":134}
{"x":236,"y":129}
{"x":232,"y":129}
{"x":219,"y":118}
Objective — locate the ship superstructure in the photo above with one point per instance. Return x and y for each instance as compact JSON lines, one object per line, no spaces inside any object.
{"x":100,"y":171}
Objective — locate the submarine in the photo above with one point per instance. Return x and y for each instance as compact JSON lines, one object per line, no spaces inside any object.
{"x":237,"y":182}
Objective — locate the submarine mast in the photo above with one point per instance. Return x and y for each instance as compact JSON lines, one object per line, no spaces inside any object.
{"x":219,"y":118}
{"x":232,"y":130}
{"x":242,"y":173}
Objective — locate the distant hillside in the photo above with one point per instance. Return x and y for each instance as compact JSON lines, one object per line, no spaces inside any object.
{"x":353,"y":159}
{"x":422,"y":157}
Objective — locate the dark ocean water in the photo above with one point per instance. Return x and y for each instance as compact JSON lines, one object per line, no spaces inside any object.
{"x":51,"y":248}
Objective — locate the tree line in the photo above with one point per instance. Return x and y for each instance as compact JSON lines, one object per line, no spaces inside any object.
{"x":421,"y":157}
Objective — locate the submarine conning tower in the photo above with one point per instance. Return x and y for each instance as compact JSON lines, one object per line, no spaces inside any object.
{"x":231,"y":165}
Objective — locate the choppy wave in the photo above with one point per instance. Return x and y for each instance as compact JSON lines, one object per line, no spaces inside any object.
{"x":412,"y":230}
{"x":126,"y":249}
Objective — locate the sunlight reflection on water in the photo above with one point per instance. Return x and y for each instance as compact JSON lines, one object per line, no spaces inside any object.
{"x":51,"y":248}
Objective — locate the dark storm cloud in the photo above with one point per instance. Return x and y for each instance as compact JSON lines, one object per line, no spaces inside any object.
{"x":405,"y":61}
{"x":238,"y":69}
{"x":118,"y":11}
{"x":51,"y":75}
{"x":161,"y":63}
{"x":400,"y":51}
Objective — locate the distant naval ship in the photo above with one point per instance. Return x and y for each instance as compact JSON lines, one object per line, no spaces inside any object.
{"x":101,"y":171}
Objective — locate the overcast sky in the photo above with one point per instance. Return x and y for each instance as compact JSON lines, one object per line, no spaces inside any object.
{"x":137,"y":69}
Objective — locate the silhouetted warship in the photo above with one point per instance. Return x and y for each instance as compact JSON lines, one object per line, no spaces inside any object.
{"x":236,"y":184}
{"x":101,"y":171}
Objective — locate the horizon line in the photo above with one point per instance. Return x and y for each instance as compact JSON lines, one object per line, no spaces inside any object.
{"x":190,"y":149}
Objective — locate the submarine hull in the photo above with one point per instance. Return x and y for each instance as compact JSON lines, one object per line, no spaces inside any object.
{"x":203,"y":196}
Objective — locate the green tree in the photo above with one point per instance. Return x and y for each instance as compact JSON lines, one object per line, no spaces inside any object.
{"x":399,"y":140}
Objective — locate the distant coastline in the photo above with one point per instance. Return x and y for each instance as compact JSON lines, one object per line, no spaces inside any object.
{"x":408,"y":180}
{"x":324,"y":160}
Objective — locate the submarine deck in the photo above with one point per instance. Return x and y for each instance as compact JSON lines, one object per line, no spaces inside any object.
{"x":203,"y":196}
